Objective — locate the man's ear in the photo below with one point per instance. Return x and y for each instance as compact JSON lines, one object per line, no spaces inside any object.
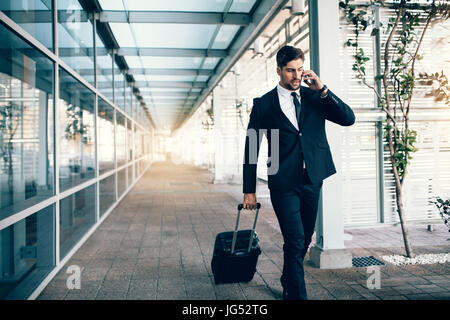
{"x":279,"y":71}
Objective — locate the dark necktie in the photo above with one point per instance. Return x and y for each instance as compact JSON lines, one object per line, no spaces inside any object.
{"x":297,"y":108}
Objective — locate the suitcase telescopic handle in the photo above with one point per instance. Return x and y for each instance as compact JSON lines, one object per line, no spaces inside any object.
{"x":240,"y":207}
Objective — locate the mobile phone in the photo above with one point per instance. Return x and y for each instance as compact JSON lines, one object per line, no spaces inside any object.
{"x":309,"y":81}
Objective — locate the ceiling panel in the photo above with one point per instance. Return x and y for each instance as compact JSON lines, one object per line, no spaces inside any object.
{"x":170,"y":35}
{"x":166,"y":62}
{"x":197,"y":40}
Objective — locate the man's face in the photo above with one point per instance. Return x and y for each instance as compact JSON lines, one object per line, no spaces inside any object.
{"x":291,"y":74}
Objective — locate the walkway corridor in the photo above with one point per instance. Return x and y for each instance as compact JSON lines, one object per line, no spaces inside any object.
{"x":157,"y":244}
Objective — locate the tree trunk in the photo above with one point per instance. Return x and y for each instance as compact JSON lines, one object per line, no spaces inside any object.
{"x":401,"y":215}
{"x":399,"y":199}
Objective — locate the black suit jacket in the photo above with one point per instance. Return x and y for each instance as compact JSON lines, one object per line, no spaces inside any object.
{"x":311,"y":139}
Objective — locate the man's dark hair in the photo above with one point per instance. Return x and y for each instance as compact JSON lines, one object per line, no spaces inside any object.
{"x":288,"y":53}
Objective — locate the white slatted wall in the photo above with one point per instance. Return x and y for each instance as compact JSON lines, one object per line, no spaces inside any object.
{"x":429,"y":172}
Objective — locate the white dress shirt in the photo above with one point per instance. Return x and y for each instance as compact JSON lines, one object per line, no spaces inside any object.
{"x":287,"y":103}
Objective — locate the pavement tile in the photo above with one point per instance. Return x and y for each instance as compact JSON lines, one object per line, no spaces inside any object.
{"x":110,"y":295}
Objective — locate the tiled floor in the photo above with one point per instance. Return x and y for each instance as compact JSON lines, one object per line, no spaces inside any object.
{"x":158,"y":242}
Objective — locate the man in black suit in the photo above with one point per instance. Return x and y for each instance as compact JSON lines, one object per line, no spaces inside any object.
{"x":295,"y":115}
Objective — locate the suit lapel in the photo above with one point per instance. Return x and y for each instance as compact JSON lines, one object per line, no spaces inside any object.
{"x":276,"y":104}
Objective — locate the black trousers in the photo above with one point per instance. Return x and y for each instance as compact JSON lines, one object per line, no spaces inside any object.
{"x":296,"y":211}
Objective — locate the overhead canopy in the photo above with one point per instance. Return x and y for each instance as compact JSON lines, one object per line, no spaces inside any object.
{"x":175,"y":52}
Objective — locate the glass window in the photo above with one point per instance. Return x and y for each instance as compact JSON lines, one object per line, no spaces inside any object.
{"x":27,"y":254}
{"x":76,"y":128}
{"x":75,"y":37}
{"x":138,"y":142}
{"x":104,"y":70}
{"x":34,"y":16}
{"x":76,"y":218}
{"x":128,"y":100}
{"x":26,"y":125}
{"x":107,"y":193}
{"x":130,"y":175}
{"x":122,"y":181}
{"x":119,"y":88}
{"x":135,"y":107}
{"x":137,"y":169}
{"x":105,"y":136}
{"x":121,"y":140}
{"x":130,"y":140}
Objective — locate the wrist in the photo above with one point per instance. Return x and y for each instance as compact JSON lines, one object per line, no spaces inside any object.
{"x":323,"y":92}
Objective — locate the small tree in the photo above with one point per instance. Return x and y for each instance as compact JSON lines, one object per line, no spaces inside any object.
{"x":10,"y":116}
{"x":394,"y":85}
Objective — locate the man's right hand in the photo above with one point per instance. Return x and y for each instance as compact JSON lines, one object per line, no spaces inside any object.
{"x":249,"y":201}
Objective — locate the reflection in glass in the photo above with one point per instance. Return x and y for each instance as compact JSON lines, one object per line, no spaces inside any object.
{"x":107,"y":193}
{"x":26,"y":125}
{"x":76,"y":127}
{"x":76,"y":217}
{"x":121,"y":181}
{"x":137,"y":142}
{"x":121,"y":140}
{"x":119,"y":88}
{"x":34,"y":16}
{"x":105,"y":136}
{"x":130,"y":140}
{"x":130,"y":175}
{"x":104,"y":70}
{"x":75,"y":37}
{"x":27,"y":250}
{"x":137,"y":170}
{"x":135,"y":107}
{"x":128,"y":100}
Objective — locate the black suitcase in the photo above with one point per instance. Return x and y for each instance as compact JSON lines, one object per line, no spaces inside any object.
{"x":235,"y":256}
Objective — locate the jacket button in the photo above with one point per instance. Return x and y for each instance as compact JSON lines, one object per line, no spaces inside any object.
{"x":300,"y":134}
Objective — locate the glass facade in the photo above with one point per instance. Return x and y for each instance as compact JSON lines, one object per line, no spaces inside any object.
{"x":106,"y":139}
{"x":27,"y":253}
{"x":76,"y":38}
{"x":119,"y":88}
{"x":34,"y":16}
{"x":104,"y":70}
{"x":26,"y":125}
{"x":107,"y":193}
{"x":57,"y":138}
{"x":121,"y":137}
{"x":76,"y":127}
{"x":77,"y":216}
{"x":121,"y":182}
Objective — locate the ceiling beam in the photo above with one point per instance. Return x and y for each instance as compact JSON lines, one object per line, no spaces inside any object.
{"x":159,"y":84}
{"x":181,"y":95}
{"x":147,"y":71}
{"x":168,"y":52}
{"x":172,"y":72}
{"x":241,"y":19}
{"x":261,"y":17}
